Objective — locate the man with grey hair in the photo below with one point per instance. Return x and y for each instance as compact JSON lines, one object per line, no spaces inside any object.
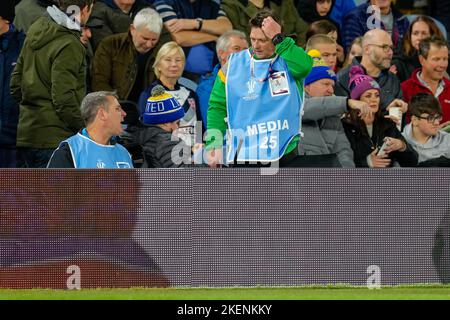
{"x":123,"y":62}
{"x":230,"y":42}
{"x":375,"y":61}
{"x":115,"y":16}
{"x":94,"y":146}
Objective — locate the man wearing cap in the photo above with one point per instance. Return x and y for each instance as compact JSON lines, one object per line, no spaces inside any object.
{"x":94,"y":146}
{"x":49,"y":81}
{"x":11,"y":41}
{"x":258,"y":96}
{"x":161,"y":118}
{"x":322,"y":129}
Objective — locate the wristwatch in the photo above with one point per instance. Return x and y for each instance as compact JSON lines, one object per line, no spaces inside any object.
{"x":200,"y":24}
{"x":278,"y":38}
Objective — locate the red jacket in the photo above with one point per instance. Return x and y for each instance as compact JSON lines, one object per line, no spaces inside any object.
{"x":413,"y":86}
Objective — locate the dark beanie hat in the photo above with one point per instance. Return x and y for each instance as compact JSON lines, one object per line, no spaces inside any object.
{"x":7,"y":9}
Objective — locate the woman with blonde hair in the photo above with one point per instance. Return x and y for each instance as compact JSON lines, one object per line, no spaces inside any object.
{"x":168,"y":67}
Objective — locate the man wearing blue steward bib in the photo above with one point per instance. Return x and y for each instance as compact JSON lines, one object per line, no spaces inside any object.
{"x":94,"y":146}
{"x":257,"y":99}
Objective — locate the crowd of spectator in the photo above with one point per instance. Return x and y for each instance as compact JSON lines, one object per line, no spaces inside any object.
{"x":160,"y":83}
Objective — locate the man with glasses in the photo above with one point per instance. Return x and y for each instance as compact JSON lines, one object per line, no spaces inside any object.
{"x":423,"y":134}
{"x":376,"y":61}
{"x":433,"y":57}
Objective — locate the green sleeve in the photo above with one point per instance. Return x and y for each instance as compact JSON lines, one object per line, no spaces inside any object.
{"x":298,"y":61}
{"x":300,"y":65}
{"x":217,"y":112}
{"x":65,"y":83}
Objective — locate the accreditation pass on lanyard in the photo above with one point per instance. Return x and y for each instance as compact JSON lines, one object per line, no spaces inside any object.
{"x":277,"y":79}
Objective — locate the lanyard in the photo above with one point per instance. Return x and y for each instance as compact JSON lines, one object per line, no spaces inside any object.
{"x":269,"y":73}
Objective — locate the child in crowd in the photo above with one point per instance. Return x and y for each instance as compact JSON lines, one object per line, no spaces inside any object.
{"x":161,"y":146}
{"x":355,"y":50}
{"x":423,"y":134}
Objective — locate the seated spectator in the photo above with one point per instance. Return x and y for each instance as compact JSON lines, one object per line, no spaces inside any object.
{"x":28,"y":11}
{"x":374,"y":132}
{"x":355,"y":50}
{"x":123,"y":62}
{"x":228,"y":43}
{"x":314,"y":10}
{"x":324,"y":134}
{"x":115,"y":16}
{"x":327,"y":48}
{"x":161,"y":118}
{"x":375,"y":61}
{"x":94,"y":146}
{"x":241,"y":11}
{"x":11,"y":41}
{"x":168,"y":67}
{"x":328,"y":28}
{"x":423,"y":134}
{"x":408,"y":60}
{"x":362,"y":19}
{"x":195,"y":26}
{"x":433,"y":57}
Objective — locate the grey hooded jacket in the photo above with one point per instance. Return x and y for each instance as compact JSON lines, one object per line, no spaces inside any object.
{"x":322,"y":129}
{"x":435,"y":147}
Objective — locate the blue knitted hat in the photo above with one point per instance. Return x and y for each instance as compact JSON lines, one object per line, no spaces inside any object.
{"x":161,"y":107}
{"x":320,"y":69}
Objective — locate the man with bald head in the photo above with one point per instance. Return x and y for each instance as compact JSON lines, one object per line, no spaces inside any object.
{"x":376,"y":61}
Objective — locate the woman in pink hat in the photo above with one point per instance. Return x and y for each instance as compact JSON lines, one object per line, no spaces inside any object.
{"x":375,"y":139}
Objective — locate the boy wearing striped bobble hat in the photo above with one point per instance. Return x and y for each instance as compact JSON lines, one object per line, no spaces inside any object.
{"x":161,"y":146}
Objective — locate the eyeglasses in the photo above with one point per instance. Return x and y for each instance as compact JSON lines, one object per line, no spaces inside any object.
{"x":431,"y":118}
{"x":385,"y":47}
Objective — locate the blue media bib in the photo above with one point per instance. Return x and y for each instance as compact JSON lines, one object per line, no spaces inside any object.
{"x":89,"y":154}
{"x":263,"y":107}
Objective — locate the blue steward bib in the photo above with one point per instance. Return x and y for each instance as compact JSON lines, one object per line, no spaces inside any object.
{"x":87,"y":153}
{"x":263,"y":107}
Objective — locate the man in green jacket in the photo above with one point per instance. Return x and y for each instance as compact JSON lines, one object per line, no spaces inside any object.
{"x":259,"y":92}
{"x":49,"y":81}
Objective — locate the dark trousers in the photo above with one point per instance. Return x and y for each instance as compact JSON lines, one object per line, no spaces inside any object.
{"x":35,"y":157}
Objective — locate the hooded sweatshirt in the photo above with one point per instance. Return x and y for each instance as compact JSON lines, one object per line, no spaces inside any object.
{"x":436,"y":146}
{"x":49,"y":81}
{"x":307,"y":10}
